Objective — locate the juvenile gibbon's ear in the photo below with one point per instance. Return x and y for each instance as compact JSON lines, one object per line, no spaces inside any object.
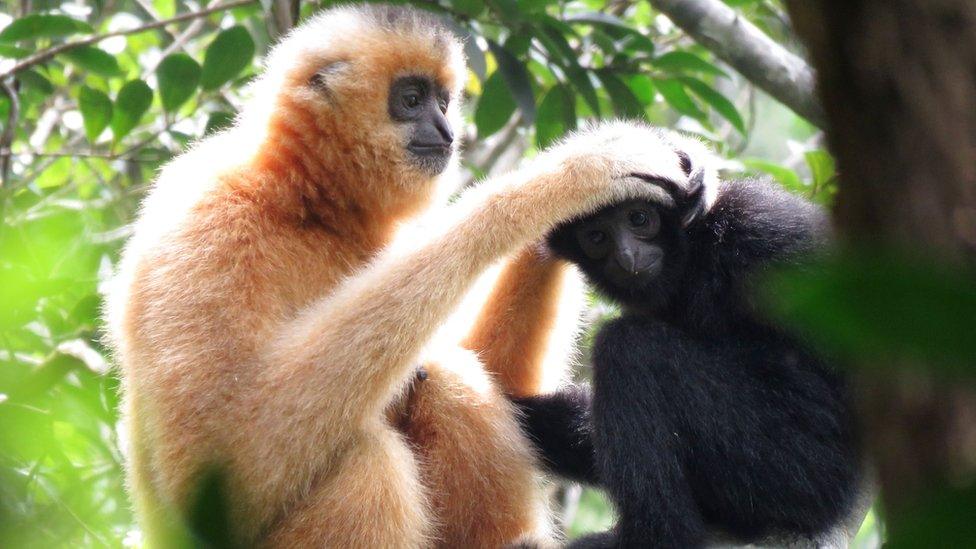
{"x":323,"y":78}
{"x":694,"y":201}
{"x":685,"y":162}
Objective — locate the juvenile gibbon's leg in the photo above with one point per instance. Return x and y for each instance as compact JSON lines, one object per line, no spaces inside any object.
{"x":639,"y":451}
{"x":683,"y":430}
{"x":516,"y":325}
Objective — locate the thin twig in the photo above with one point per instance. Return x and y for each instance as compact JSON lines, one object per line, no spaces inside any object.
{"x":7,"y":137}
{"x":6,"y":140}
{"x":123,"y":155}
{"x":81,"y":154}
{"x":45,"y":55}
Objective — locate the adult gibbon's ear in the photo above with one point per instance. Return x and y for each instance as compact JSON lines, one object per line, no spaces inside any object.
{"x":322,"y":79}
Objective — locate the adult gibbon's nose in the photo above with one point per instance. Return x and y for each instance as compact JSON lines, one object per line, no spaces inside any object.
{"x":443,"y":128}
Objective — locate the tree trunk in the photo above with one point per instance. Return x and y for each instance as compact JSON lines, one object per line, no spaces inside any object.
{"x":897,"y":79}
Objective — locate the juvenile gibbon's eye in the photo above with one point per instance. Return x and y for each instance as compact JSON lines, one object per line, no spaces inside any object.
{"x":638,"y":218}
{"x":596,"y":237}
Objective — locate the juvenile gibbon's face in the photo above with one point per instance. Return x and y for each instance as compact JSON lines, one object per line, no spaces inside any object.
{"x":632,"y":251}
{"x":421,"y":104}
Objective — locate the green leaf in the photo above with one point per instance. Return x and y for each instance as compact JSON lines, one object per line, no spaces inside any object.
{"x":93,"y":59}
{"x":676,"y":96}
{"x":218,"y":121}
{"x":642,"y":87}
{"x":131,"y":103}
{"x":625,"y":103}
{"x":533,"y":6}
{"x":551,"y":34}
{"x":165,"y":8}
{"x":682,"y":61}
{"x":821,"y":166}
{"x":226,"y":56}
{"x":33,"y":79}
{"x":614,"y":25}
{"x":178,"y":75}
{"x":56,"y":174}
{"x":96,"y":110}
{"x":517,"y":77}
{"x":719,"y":102}
{"x":605,"y":41}
{"x":12,"y":52}
{"x":508,"y":9}
{"x":944,"y":514}
{"x":495,"y":106}
{"x":884,"y":309}
{"x":784,"y":175}
{"x":471,"y":8}
{"x":580,"y":78}
{"x":557,"y":115}
{"x":43,"y":25}
{"x":556,"y":44}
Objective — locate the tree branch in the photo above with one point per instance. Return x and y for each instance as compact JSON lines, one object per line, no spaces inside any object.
{"x":284,"y":16}
{"x":769,"y":66}
{"x":45,"y":55}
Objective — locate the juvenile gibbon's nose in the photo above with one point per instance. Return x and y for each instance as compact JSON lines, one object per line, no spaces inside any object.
{"x":637,"y":259}
{"x":627,"y":260}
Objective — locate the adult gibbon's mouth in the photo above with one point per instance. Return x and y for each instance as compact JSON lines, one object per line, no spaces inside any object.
{"x":429,"y":149}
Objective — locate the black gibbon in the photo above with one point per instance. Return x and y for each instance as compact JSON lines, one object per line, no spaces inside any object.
{"x":268,"y":328}
{"x":704,"y":421}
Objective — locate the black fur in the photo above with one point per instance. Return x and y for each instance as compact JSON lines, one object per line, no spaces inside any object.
{"x":705,"y":418}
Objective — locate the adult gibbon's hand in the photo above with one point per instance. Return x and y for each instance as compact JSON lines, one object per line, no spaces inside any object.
{"x":590,"y":169}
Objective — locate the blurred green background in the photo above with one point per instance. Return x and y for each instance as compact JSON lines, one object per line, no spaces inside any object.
{"x":87,"y":130}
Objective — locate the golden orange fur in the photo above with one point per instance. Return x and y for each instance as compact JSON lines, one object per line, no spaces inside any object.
{"x":265,"y":329}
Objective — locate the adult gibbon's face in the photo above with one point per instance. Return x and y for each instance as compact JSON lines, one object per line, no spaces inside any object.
{"x":631,"y":251}
{"x":422,"y":104}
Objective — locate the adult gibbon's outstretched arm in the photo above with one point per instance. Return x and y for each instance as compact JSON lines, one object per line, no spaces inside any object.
{"x":360,"y":331}
{"x":517,"y":322}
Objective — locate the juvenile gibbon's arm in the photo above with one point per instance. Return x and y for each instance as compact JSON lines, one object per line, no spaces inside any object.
{"x":517,"y":323}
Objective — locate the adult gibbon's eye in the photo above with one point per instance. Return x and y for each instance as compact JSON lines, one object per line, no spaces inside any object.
{"x":411,"y":100}
{"x":638,"y":218}
{"x":596,"y":237}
